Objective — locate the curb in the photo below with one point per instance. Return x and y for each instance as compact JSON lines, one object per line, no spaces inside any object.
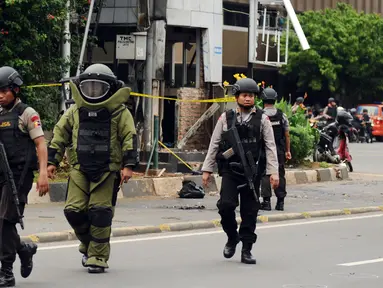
{"x":169,"y":186}
{"x":68,"y":235}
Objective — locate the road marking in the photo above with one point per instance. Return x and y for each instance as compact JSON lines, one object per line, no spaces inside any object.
{"x":362,"y":262}
{"x":260,"y":227}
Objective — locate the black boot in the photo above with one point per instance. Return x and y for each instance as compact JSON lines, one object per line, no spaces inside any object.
{"x":266,"y":205}
{"x":96,"y":269}
{"x":230,"y":247}
{"x":246,"y":256}
{"x":26,"y":254}
{"x":280,"y":205}
{"x":7,"y":279}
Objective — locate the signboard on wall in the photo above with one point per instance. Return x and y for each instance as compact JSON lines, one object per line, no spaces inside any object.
{"x":126,"y":47}
{"x":131,"y":47}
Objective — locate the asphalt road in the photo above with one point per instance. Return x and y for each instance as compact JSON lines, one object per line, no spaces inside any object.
{"x":367,"y":157}
{"x":305,"y":254}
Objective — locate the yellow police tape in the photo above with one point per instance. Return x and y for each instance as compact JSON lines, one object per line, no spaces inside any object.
{"x":216,"y":100}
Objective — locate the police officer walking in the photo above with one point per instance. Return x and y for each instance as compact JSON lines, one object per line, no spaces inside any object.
{"x":20,"y":132}
{"x":256,"y":135}
{"x":100,"y":134}
{"x":280,"y":125}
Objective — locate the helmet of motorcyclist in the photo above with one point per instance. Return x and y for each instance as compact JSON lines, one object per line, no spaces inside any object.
{"x":97,"y":83}
{"x":299,"y":100}
{"x":249,"y":86}
{"x":269,"y":95}
{"x":343,"y":118}
{"x":340,"y":109}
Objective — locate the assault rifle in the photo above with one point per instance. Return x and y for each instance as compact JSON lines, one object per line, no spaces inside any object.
{"x":10,"y":181}
{"x":247,"y":159}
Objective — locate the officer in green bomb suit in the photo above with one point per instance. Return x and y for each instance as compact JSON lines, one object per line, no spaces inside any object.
{"x":99,"y":133}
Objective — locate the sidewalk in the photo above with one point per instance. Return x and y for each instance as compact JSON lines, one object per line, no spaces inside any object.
{"x":153,"y":210}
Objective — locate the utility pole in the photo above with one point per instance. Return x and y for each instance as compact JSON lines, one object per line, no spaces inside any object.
{"x":66,"y":47}
{"x":85,"y":39}
{"x":252,"y":36}
{"x":148,"y":103}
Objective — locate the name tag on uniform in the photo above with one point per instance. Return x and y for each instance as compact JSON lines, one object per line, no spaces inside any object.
{"x":92,"y":114}
{"x":5,"y":124}
{"x":273,"y":123}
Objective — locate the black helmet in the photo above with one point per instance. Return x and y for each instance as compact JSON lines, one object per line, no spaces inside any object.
{"x":331,"y":100}
{"x":9,"y":77}
{"x":245,"y":85}
{"x":97,"y":83}
{"x":299,"y":100}
{"x":269,"y":94}
{"x":344,"y":118}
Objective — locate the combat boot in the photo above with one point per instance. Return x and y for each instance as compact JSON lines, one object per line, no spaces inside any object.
{"x":246,"y":256}
{"x":26,"y":254}
{"x":266,"y":205}
{"x":230,"y":247}
{"x":280,"y":205}
{"x":7,"y":279}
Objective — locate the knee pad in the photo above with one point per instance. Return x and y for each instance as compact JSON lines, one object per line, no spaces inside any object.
{"x":76,"y":218}
{"x":101,"y":216}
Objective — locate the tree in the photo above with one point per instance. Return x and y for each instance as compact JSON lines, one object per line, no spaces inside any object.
{"x":346,"y":55}
{"x":30,"y":41}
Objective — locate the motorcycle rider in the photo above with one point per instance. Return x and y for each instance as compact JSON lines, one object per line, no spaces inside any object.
{"x":330,"y":111}
{"x":367,"y":121}
{"x":356,"y":122}
{"x":342,"y":123}
{"x":298,"y":103}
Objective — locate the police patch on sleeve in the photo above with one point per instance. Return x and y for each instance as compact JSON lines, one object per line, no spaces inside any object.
{"x":36,"y":121}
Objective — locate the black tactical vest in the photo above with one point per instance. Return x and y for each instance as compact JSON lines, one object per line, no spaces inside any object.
{"x":250,"y":135}
{"x":279,"y":131}
{"x":20,"y":148}
{"x":93,"y":142}
{"x":332,"y":111}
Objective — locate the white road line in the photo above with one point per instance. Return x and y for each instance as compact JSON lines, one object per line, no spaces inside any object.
{"x":183,"y":235}
{"x":362,"y":262}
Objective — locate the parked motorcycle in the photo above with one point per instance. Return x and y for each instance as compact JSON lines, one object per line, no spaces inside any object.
{"x":325,"y":151}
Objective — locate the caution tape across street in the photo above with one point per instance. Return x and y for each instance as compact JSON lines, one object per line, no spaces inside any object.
{"x":216,"y":100}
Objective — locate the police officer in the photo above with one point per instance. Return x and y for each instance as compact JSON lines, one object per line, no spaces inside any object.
{"x":280,"y":125}
{"x":20,"y":132}
{"x":256,"y":134}
{"x":100,"y":134}
{"x":330,"y":111}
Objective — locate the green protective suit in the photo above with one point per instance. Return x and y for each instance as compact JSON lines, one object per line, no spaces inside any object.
{"x":89,"y":206}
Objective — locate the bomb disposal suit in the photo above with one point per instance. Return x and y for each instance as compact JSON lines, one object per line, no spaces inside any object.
{"x":100,"y":134}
